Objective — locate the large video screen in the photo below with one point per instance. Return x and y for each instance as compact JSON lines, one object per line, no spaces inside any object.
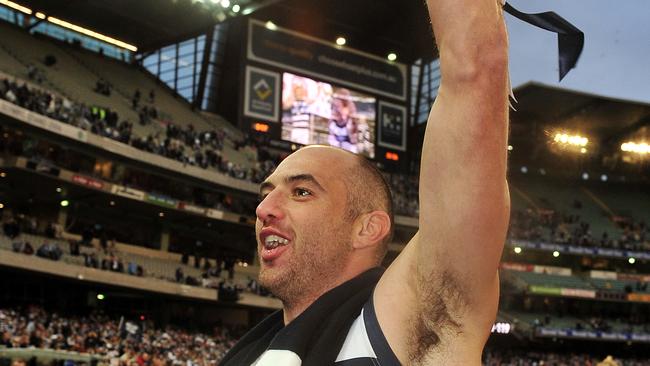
{"x":314,"y":112}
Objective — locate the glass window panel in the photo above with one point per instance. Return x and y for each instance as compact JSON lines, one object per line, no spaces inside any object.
{"x":6,"y":14}
{"x":167,"y":76}
{"x":184,"y":83}
{"x":187,"y":94}
{"x":167,"y":65}
{"x":151,"y":60}
{"x":186,"y":61}
{"x":185,"y":72}
{"x":186,"y":49}
{"x":152,"y":69}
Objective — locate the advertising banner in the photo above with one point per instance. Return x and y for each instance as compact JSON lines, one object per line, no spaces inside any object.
{"x":89,"y":182}
{"x":191,"y":208}
{"x":543,"y":290}
{"x":310,"y":56}
{"x":392,"y":126}
{"x":262,"y":94}
{"x":161,"y":200}
{"x":128,"y":192}
{"x":214,"y":214}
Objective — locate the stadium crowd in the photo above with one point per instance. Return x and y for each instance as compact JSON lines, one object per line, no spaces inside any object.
{"x":514,"y":357}
{"x":562,"y":228}
{"x":114,"y":342}
{"x":184,"y":144}
{"x":120,"y":342}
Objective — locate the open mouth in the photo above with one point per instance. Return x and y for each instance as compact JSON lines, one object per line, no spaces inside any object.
{"x":273,"y":246}
{"x":274,"y":241}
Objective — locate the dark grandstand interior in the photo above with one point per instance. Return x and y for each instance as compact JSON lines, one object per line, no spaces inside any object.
{"x":129,"y":178}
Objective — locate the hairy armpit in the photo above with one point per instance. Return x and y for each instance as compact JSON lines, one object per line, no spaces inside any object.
{"x":441,"y":301}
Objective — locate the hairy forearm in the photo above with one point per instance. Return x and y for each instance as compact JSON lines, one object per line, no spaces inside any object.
{"x":471,"y":38}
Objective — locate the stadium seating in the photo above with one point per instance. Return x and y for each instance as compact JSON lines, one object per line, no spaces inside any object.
{"x":76,"y":72}
{"x":617,"y":285}
{"x":548,"y":280}
{"x":570,"y":199}
{"x":99,"y":338}
{"x":153,"y":265}
{"x":127,"y":79}
{"x":67,"y":76}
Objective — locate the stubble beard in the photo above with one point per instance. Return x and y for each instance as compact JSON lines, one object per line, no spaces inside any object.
{"x":314,"y":266}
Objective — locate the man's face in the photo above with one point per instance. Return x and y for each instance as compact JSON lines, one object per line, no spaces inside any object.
{"x":302,"y":234}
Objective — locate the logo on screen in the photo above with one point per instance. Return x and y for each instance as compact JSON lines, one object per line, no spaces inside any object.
{"x":262,"y":89}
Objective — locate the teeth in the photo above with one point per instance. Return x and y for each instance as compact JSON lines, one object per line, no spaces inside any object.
{"x":273,"y":241}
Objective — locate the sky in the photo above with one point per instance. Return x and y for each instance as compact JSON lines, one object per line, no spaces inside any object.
{"x":615,"y":61}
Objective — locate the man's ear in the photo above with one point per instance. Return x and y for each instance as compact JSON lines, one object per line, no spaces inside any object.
{"x":370,"y":229}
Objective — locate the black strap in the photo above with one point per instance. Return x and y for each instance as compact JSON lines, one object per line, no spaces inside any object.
{"x":570,"y":39}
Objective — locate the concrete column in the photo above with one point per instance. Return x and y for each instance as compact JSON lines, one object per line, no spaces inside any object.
{"x":63,"y":216}
{"x":164,"y":239}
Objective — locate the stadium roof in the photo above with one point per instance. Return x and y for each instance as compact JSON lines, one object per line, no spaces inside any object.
{"x":375,"y":26}
{"x":147,"y":24}
{"x":542,"y":110}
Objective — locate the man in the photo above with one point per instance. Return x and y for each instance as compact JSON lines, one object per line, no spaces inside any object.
{"x":342,"y":126}
{"x":325,"y":220}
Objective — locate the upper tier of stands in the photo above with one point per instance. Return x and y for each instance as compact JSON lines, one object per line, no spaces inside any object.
{"x":205,"y":140}
{"x":76,"y":72}
{"x":66,"y":75}
{"x":608,"y":216}
{"x":574,"y":281}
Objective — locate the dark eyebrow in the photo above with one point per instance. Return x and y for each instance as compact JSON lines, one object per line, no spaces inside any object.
{"x":305,"y":178}
{"x":266,"y":185}
{"x":292,"y":179}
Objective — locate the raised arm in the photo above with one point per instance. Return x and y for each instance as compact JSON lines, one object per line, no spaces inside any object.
{"x":438,"y":299}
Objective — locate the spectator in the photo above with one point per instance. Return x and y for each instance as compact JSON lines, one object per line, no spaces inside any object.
{"x":74,"y":247}
{"x":28,"y":249}
{"x":11,"y":228}
{"x":99,"y":335}
{"x":180,"y":276}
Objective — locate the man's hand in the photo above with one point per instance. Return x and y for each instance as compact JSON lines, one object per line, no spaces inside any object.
{"x":437,"y":301}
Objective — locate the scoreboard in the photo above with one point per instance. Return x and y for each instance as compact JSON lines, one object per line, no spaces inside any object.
{"x":300,"y":90}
